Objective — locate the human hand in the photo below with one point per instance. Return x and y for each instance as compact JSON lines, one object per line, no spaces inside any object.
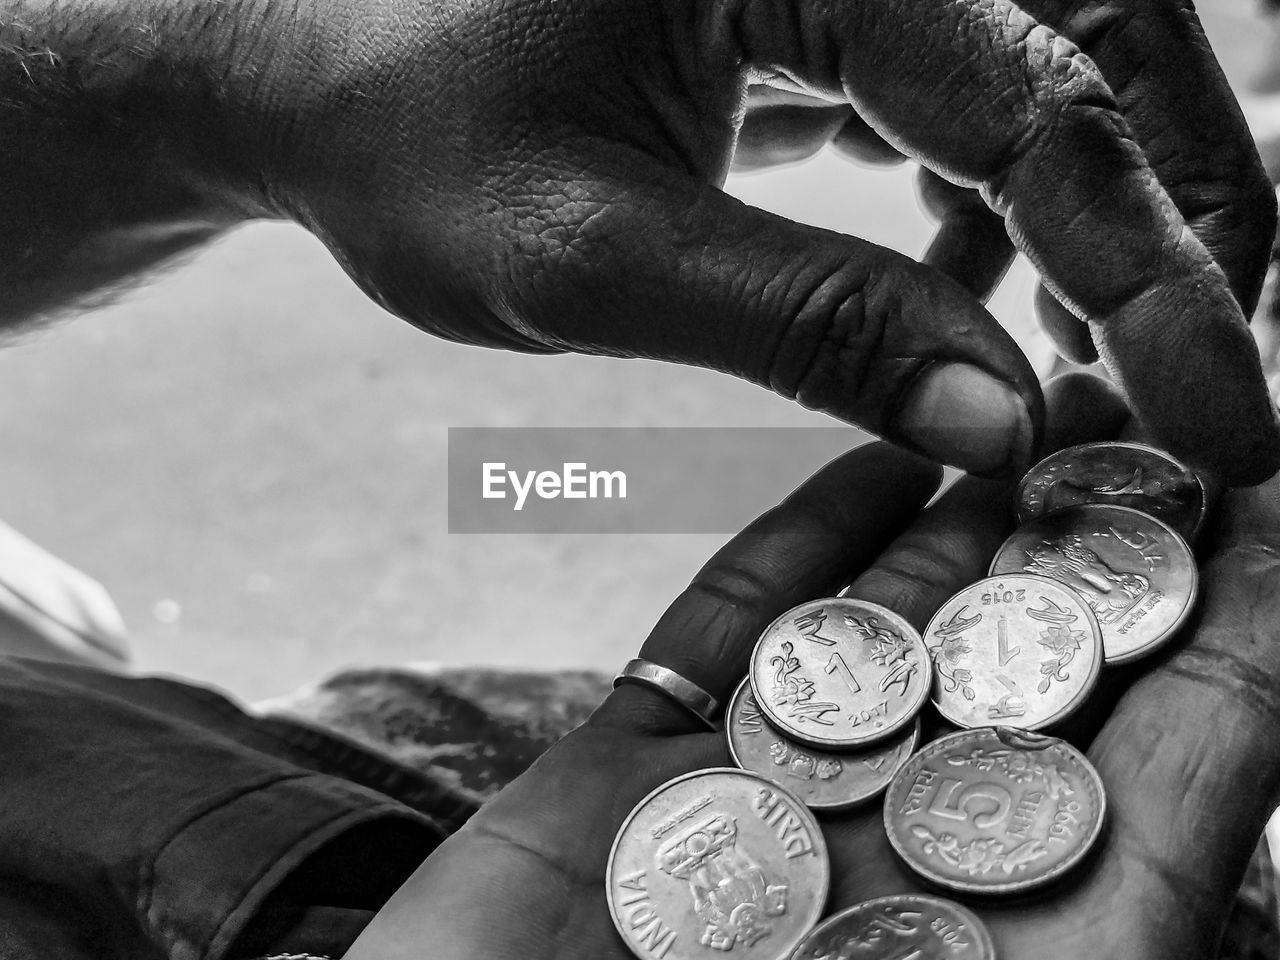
{"x":544,"y":177}
{"x":1188,"y":753}
{"x":1185,"y":743}
{"x":525,"y":877}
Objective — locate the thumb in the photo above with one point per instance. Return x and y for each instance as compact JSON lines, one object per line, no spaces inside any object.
{"x":681,"y":271}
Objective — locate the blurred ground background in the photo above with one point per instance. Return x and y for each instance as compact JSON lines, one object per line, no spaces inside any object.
{"x":251,"y":456}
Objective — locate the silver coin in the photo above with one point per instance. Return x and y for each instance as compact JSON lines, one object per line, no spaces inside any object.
{"x":823,"y":780}
{"x":716,"y":861}
{"x":1121,"y":474}
{"x":910,"y":926}
{"x":839,"y":673}
{"x":1136,"y":573}
{"x":1016,"y":649}
{"x":994,"y":811}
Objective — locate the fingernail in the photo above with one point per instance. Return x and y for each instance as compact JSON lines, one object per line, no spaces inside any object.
{"x":963,"y":416}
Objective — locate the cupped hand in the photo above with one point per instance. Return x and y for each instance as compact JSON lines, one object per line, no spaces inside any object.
{"x":545,"y":177}
{"x":1189,"y":754}
{"x":525,"y":877}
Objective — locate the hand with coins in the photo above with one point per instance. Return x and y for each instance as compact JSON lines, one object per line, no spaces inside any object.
{"x":1120,"y":827}
{"x":545,"y":177}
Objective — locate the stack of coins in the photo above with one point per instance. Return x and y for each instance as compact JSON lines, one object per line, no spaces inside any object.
{"x":1098,"y":573}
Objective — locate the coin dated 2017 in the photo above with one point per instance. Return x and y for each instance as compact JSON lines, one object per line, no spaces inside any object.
{"x":994,"y":811}
{"x":1018,"y":650}
{"x":717,"y":862}
{"x":822,"y":779}
{"x":840,"y":673}
{"x":910,"y":926}
{"x":1120,"y":474}
{"x":1137,"y":574}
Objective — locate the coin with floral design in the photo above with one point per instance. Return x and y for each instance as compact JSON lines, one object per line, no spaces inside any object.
{"x":1137,"y":575}
{"x":717,"y":862}
{"x":1120,"y":474}
{"x":994,"y":811}
{"x":839,"y":673}
{"x":910,"y":926}
{"x":822,"y":779}
{"x":1018,"y":649}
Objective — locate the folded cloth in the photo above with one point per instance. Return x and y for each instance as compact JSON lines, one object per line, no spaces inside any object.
{"x":143,"y":817}
{"x":52,"y":611}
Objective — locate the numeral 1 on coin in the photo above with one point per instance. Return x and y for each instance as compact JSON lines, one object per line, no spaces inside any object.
{"x":1002,"y":638}
{"x":837,"y":665}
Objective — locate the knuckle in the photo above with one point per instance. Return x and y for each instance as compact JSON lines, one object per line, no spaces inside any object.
{"x":734,"y":586}
{"x":563,"y":245}
{"x":824,"y":350}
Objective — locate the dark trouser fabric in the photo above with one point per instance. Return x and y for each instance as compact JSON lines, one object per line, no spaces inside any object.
{"x":143,"y":817}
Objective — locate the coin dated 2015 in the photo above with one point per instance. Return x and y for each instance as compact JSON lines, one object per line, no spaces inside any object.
{"x":910,"y":926}
{"x":840,"y":673}
{"x":1019,"y":650}
{"x":1119,"y":474}
{"x":822,"y":779}
{"x":994,"y":811}
{"x":717,"y":862}
{"x":1136,"y":573}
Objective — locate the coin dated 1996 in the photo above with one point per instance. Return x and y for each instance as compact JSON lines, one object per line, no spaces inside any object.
{"x":910,"y":925}
{"x":995,"y":811}
{"x":715,"y":862}
{"x":822,"y":779}
{"x":1136,"y":573}
{"x":1121,"y":474}
{"x":1017,"y":649}
{"x":840,"y":673}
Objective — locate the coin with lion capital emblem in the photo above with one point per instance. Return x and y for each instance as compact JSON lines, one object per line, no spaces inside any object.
{"x":1119,"y":474}
{"x":994,"y":811}
{"x":909,"y":926}
{"x":1137,"y":575}
{"x":717,"y":862}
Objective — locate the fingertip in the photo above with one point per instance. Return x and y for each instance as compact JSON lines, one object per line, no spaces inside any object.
{"x":1070,"y":334}
{"x":857,"y":141}
{"x":960,"y":414}
{"x":1080,"y":408}
{"x":1186,"y":359}
{"x":972,"y":249}
{"x":785,"y":133}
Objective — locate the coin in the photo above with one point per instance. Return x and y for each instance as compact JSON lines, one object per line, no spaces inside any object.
{"x":714,"y":861}
{"x":1121,"y":474}
{"x":1136,"y":573}
{"x":839,"y":673}
{"x":821,"y":779}
{"x":1013,"y":649}
{"x":910,"y":926}
{"x":994,"y":811}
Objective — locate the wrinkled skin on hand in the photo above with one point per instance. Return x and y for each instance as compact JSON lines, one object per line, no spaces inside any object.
{"x":544,"y":176}
{"x":1187,"y":745}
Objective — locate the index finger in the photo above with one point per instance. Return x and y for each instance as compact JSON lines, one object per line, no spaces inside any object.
{"x":808,"y":546}
{"x":998,"y":100}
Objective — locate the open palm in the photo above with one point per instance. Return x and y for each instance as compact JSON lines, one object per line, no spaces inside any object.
{"x":1187,"y":747}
